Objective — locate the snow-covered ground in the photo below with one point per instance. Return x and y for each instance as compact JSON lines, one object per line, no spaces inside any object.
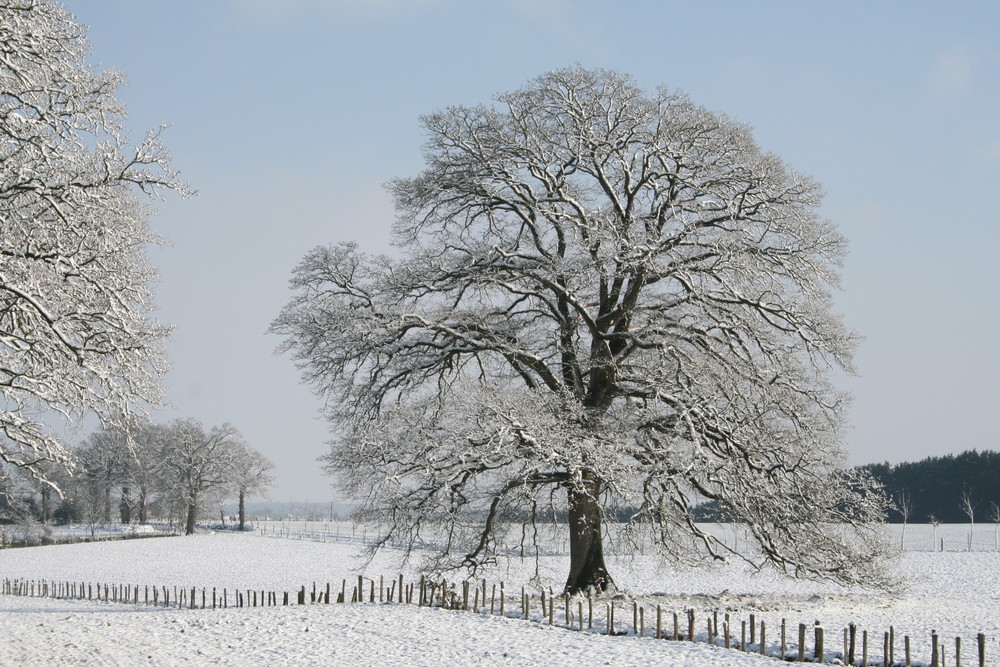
{"x":954,"y":592}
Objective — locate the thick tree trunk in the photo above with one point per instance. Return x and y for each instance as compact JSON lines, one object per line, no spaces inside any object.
{"x":243,"y":511}
{"x":125,"y":509}
{"x":192,"y":515}
{"x":143,"y":510}
{"x":586,"y":547}
{"x":107,"y":504}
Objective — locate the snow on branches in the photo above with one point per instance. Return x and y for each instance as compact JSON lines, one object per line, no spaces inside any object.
{"x":608,"y":300}
{"x":76,"y":336}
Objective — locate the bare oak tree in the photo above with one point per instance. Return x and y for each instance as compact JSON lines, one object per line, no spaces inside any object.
{"x":76,"y":336}
{"x":195,"y":463}
{"x":607,"y":299}
{"x":248,"y":474}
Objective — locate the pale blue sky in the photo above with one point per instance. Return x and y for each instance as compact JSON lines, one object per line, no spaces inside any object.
{"x":288,"y":115}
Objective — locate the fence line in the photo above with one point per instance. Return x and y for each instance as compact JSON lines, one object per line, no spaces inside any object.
{"x":566,"y":611}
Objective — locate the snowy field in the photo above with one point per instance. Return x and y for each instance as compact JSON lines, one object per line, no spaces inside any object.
{"x":956,"y":592}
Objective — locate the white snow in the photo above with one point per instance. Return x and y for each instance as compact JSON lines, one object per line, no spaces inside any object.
{"x":955,"y":592}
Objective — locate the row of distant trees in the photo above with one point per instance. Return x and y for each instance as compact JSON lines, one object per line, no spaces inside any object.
{"x":177,"y":470}
{"x":950,"y":489}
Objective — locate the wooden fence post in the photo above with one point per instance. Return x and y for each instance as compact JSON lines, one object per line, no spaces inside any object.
{"x":802,"y":642}
{"x":818,"y":652}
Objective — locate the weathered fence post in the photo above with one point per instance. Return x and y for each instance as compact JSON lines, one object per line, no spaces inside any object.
{"x":802,"y":642}
{"x":784,"y":645}
{"x":818,"y":653}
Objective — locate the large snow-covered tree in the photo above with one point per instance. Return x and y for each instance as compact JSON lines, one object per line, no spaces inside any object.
{"x":76,"y":334}
{"x":195,"y":463}
{"x":606,"y":299}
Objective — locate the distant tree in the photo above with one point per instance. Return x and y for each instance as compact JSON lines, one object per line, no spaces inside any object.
{"x":935,"y":484}
{"x":607,"y":298}
{"x":195,"y":463}
{"x":69,"y":511}
{"x":248,"y":474}
{"x":143,"y":469}
{"x":104,"y":459}
{"x":904,"y":505}
{"x":969,"y":509}
{"x":76,"y":336}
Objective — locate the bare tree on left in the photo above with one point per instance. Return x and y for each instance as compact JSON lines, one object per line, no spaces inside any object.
{"x":77,"y":337}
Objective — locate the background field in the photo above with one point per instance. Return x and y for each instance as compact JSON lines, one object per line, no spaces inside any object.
{"x":955,"y":592}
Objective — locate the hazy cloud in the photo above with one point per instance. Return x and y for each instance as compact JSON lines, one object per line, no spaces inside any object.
{"x":951,"y":74}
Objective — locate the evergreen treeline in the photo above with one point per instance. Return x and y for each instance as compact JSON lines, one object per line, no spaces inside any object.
{"x":940,"y":486}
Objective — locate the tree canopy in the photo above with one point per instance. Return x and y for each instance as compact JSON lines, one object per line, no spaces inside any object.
{"x":935,"y":486}
{"x":605,"y":297}
{"x":76,"y":334}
